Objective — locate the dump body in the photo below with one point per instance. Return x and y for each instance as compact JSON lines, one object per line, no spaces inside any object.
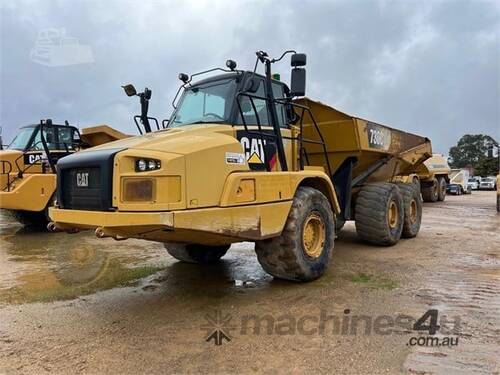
{"x":433,"y":167}
{"x":345,"y":136}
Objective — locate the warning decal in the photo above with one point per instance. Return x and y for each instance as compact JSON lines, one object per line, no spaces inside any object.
{"x":235,"y":158}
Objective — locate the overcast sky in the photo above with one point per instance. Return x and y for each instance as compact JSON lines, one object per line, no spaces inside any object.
{"x":428,"y":67}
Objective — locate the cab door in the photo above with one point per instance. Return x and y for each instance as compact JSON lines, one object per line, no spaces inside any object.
{"x":260,"y":146}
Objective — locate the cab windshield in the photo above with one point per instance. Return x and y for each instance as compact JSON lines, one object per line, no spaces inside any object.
{"x":20,"y":142}
{"x":210,"y":102}
{"x":56,"y":138}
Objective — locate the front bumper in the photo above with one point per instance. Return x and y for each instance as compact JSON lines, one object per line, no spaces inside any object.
{"x":210,"y":226}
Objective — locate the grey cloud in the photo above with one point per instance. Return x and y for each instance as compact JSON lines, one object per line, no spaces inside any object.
{"x":431,"y":67}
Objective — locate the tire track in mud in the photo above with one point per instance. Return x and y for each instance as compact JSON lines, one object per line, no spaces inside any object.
{"x":464,"y":285}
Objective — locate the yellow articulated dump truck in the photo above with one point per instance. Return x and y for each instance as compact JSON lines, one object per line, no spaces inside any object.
{"x":27,"y":165}
{"x":434,"y":176}
{"x":246,"y":158}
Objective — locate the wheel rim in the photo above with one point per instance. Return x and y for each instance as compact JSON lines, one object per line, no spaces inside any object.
{"x":413,"y":211}
{"x":392,"y":216}
{"x":313,"y":235}
{"x":435,"y":189}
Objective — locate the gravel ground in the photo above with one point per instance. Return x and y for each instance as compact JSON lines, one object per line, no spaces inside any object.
{"x":93,"y":316}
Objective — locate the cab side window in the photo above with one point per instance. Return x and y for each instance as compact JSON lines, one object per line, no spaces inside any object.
{"x":261,"y":109}
{"x":279,"y":93}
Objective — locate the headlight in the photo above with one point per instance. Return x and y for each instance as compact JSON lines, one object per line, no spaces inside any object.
{"x":144,"y":165}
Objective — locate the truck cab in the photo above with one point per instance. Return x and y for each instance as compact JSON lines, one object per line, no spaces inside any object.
{"x":27,"y":165}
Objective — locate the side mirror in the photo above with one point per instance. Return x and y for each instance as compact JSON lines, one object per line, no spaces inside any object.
{"x":298,"y":59}
{"x":298,"y":82}
{"x":130,"y":90}
{"x":252,"y":85}
{"x":147,"y":93}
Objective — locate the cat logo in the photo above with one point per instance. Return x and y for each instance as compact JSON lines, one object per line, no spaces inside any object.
{"x":258,"y":150}
{"x":254,"y":149}
{"x":32,"y":158}
{"x":82,"y":179}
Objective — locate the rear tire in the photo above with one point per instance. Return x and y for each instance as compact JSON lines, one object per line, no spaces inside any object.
{"x":379,"y":214}
{"x":430,"y":193}
{"x":412,"y":205}
{"x":442,"y":189}
{"x":304,"y":249}
{"x":416,"y":182}
{"x":195,"y":253}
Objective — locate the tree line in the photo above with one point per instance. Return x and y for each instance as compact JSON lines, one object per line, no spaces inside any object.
{"x":478,"y":151}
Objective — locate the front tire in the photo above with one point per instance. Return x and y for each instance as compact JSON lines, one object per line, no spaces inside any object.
{"x":195,"y":253}
{"x":379,"y":214}
{"x":304,"y":249}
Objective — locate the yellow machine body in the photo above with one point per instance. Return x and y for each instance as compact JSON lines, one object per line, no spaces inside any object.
{"x":201,"y":194}
{"x":26,"y":184}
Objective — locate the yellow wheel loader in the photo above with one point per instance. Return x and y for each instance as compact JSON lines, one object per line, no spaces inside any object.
{"x":27,"y":165}
{"x":246,"y":158}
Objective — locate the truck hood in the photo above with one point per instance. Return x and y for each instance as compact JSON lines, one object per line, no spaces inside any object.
{"x":8,"y":160}
{"x":179,"y":140}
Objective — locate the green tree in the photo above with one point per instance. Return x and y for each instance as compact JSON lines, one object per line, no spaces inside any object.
{"x":471,"y":149}
{"x":487,"y":167}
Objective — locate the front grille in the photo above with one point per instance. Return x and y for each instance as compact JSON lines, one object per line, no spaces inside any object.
{"x":84,"y":180}
{"x":82,"y":188}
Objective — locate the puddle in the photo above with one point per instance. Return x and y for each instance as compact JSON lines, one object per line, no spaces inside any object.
{"x":37,"y":266}
{"x":42,"y":266}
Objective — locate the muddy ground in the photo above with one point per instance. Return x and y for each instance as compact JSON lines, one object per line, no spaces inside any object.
{"x":73,"y":303}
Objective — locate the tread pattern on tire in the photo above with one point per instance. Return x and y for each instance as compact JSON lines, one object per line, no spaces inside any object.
{"x":428,"y":194}
{"x":371,"y":213}
{"x":409,"y":192}
{"x":441,"y":188}
{"x":195,"y":253}
{"x":283,"y":256}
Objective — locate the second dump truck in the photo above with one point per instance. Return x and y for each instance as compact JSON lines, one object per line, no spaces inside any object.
{"x":434,"y":175}
{"x":247,"y":158}
{"x":27,"y":165}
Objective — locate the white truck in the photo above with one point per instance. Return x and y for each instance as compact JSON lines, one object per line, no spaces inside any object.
{"x":459,"y":182}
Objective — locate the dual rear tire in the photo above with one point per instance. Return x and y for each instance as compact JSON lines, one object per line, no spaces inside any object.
{"x":385,"y":212}
{"x":436,"y":191}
